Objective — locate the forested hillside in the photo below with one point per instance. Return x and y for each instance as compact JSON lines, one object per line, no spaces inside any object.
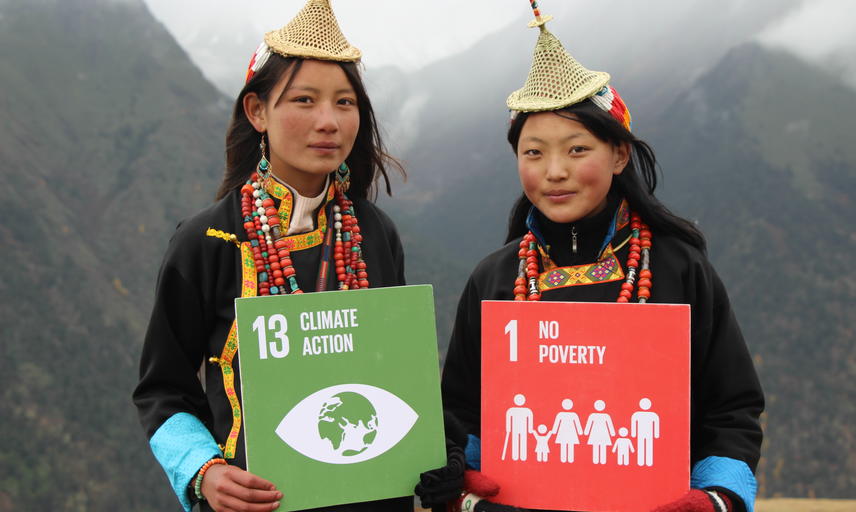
{"x":109,"y":135}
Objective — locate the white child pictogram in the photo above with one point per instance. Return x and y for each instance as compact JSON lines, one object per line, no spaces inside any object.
{"x":568,"y":431}
{"x":542,"y":448}
{"x":599,"y":430}
{"x":645,"y":427}
{"x":624,"y":446}
{"x":518,"y":425}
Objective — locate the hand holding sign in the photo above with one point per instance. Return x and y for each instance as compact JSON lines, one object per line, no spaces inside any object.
{"x":443,"y":485}
{"x":340,"y":393}
{"x":232,"y":488}
{"x":595,"y":391}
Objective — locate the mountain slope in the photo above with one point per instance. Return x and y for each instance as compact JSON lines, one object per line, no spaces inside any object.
{"x":763,"y":160}
{"x":108,"y":135}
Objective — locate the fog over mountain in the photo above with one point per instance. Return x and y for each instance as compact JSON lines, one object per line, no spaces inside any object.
{"x":820,"y":31}
{"x":220,"y":35}
{"x":110,"y":134}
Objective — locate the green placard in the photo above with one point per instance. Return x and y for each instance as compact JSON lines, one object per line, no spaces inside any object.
{"x":341,"y":393}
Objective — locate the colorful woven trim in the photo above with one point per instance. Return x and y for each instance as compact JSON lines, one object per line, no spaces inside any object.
{"x":606,"y":270}
{"x":609,"y":100}
{"x":303,"y":240}
{"x":248,"y":289}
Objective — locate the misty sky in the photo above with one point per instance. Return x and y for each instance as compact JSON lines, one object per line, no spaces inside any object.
{"x":220,"y":35}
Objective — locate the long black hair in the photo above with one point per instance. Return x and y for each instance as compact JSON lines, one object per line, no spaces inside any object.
{"x":636,"y":183}
{"x":368,"y":160}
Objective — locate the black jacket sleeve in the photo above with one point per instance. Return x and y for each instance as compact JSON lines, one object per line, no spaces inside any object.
{"x":727,"y":399}
{"x":175,"y":341}
{"x":461,"y":384}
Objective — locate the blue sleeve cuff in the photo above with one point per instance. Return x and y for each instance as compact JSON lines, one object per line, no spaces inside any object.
{"x":731,"y":474}
{"x":182,"y":445}
{"x":473,"y":452}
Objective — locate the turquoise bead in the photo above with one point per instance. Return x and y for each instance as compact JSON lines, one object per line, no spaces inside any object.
{"x":274,"y":290}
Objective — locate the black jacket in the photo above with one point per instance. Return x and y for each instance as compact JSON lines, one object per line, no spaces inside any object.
{"x":194,"y":309}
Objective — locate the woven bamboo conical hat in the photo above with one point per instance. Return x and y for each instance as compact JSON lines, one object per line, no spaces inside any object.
{"x":556,"y":80}
{"x":314,"y":33}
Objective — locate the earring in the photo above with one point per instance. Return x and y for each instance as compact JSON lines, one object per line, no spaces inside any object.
{"x":264,"y":164}
{"x":343,"y":177}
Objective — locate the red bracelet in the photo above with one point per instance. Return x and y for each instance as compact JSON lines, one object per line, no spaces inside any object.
{"x":197,"y":487}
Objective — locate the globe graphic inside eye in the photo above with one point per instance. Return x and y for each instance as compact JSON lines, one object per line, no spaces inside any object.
{"x":349,"y":422}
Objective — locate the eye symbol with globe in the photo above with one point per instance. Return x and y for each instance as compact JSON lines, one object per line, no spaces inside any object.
{"x":349,"y":422}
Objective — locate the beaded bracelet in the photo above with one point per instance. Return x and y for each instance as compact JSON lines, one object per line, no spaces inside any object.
{"x":197,"y":486}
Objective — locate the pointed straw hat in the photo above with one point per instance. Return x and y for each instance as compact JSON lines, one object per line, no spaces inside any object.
{"x":314,"y":33}
{"x":557,"y":80}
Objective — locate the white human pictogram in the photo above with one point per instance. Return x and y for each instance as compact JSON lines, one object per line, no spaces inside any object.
{"x":599,"y":430}
{"x":542,"y":447}
{"x":645,"y":427}
{"x":624,"y":446}
{"x":518,"y":426}
{"x":568,"y":430}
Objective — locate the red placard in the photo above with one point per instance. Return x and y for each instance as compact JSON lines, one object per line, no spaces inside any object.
{"x":586,"y":406}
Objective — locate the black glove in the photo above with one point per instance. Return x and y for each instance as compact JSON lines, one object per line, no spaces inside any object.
{"x":443,"y":485}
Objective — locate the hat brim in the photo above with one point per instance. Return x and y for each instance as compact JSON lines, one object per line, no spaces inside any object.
{"x":517,"y":101}
{"x":287,"y":49}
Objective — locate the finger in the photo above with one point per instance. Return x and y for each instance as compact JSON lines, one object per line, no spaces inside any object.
{"x":254,"y":495}
{"x":246,"y":495}
{"x":250,"y":480}
{"x":232,"y":503}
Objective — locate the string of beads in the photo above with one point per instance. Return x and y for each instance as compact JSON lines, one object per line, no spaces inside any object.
{"x":197,"y":485}
{"x":526,"y":283}
{"x":274,"y":266}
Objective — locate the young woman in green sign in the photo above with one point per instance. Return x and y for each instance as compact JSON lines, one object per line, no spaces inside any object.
{"x":303,"y":155}
{"x":588,"y":210}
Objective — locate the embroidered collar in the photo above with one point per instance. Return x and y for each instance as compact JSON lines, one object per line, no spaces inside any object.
{"x":283,"y":193}
{"x":606,"y":269}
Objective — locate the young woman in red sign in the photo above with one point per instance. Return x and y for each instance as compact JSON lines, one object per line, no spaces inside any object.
{"x":588,"y":209}
{"x":303,"y":157}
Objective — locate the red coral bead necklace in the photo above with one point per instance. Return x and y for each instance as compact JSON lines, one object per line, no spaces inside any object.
{"x":274,"y":268}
